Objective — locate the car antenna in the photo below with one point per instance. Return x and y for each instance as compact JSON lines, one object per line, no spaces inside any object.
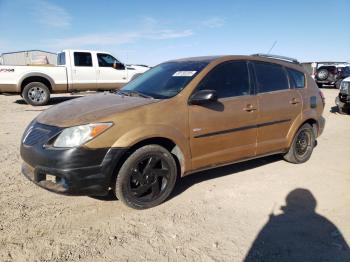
{"x":273,"y":45}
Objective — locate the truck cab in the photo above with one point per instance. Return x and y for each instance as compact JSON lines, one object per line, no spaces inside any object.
{"x":76,"y":70}
{"x":91,"y":70}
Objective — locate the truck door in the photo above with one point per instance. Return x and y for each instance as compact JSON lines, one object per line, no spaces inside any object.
{"x":83,"y":72}
{"x":111,"y":74}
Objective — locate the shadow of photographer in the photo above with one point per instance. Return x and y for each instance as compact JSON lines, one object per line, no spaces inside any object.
{"x":299,"y":234}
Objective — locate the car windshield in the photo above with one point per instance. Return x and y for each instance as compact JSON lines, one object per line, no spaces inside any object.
{"x":165,"y":80}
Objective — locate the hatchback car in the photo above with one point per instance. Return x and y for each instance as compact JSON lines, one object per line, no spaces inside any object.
{"x":180,"y":117}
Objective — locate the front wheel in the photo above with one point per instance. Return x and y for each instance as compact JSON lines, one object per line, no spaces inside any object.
{"x":36,"y":94}
{"x":147,"y":177}
{"x":302,"y":146}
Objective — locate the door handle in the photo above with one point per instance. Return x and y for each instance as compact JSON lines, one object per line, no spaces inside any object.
{"x":249,"y":108}
{"x":294,"y":101}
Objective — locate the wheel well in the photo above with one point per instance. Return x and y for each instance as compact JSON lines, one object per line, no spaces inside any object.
{"x":161,"y":141}
{"x":314,"y":125}
{"x":36,"y":79}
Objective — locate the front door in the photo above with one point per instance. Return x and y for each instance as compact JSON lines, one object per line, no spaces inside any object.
{"x":111,"y":74}
{"x":224,"y":131}
{"x":279,"y":106}
{"x":83,"y":72}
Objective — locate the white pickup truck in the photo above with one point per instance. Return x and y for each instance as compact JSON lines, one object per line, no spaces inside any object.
{"x":76,"y":70}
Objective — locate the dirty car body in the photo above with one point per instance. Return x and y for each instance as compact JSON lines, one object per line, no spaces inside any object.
{"x":178,"y":118}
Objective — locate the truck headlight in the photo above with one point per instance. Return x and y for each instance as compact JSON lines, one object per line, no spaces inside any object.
{"x":344,"y":85}
{"x":78,"y":135}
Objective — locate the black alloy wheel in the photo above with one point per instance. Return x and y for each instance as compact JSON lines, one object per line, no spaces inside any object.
{"x":302,"y":145}
{"x":147,"y":177}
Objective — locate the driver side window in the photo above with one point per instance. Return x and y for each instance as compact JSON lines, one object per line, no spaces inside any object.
{"x":106,"y":60}
{"x":228,"y":79}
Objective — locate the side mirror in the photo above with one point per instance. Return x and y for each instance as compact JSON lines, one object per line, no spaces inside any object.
{"x":118,"y":66}
{"x":203,"y":96}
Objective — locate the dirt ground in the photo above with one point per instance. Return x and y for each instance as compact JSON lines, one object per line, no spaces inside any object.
{"x":218,"y":215}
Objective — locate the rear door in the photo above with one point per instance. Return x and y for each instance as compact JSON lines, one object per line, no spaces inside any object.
{"x":83,"y":72}
{"x":224,"y":131}
{"x":111,"y":74}
{"x":279,"y":106}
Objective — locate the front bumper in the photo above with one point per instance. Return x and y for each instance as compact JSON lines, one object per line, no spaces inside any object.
{"x":72,"y":171}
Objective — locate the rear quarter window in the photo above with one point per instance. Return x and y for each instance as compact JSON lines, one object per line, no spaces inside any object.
{"x":61,"y":58}
{"x":296,"y":78}
{"x":270,"y":77}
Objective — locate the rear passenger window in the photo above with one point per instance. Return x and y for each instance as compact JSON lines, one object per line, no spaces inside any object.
{"x":296,"y":78}
{"x":228,"y":79}
{"x":270,"y":77}
{"x":82,"y":59}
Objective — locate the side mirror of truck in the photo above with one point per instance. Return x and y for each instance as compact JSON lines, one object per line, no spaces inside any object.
{"x":118,"y":66}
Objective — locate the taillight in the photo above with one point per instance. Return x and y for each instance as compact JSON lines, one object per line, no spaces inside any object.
{"x":322,"y":97}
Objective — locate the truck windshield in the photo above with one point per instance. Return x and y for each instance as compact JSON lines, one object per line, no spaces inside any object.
{"x":166,"y":80}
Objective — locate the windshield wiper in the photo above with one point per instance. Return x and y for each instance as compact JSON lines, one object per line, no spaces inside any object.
{"x":133,"y":93}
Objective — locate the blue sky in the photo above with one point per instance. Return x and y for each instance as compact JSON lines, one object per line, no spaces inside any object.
{"x":154,"y":31}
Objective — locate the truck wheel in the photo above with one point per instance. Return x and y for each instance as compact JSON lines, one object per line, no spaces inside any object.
{"x":322,"y":74}
{"x":36,"y":94}
{"x":302,"y":146}
{"x":146,"y":178}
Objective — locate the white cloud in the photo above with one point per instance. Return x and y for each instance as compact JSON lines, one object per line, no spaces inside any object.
{"x":50,"y":14}
{"x":214,"y":22}
{"x":150,"y":30}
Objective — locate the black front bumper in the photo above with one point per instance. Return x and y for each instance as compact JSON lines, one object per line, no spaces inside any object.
{"x":73,"y":171}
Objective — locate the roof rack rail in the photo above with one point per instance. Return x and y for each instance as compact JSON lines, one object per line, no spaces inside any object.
{"x":279,"y":57}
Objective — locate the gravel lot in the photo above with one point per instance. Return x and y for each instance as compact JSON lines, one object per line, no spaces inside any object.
{"x":218,"y":215}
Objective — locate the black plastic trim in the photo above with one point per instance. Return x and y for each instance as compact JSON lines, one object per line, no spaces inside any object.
{"x":242,"y":128}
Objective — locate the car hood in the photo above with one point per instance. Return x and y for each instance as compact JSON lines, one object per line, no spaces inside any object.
{"x":91,"y":108}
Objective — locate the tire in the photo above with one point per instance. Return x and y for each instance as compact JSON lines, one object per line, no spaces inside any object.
{"x":36,"y":94}
{"x":302,"y":146}
{"x":146,"y":178}
{"x":320,"y":85}
{"x":343,"y":111}
{"x":322,"y":74}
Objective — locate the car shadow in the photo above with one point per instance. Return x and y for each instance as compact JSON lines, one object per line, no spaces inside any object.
{"x":52,"y":101}
{"x":188,"y":181}
{"x":299,"y":233}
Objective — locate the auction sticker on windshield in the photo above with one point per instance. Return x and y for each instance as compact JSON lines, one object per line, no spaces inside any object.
{"x":184,"y":73}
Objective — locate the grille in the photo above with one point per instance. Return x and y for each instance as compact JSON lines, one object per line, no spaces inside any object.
{"x":39,"y":133}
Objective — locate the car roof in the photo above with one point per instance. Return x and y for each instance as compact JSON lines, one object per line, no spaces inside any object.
{"x":223,"y":58}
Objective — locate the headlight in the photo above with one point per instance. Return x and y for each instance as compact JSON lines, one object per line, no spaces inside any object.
{"x":78,"y":135}
{"x":344,"y":86}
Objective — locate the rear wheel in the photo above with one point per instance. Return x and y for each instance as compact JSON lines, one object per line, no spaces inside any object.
{"x":36,"y":94}
{"x":147,"y":177}
{"x":302,"y":145}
